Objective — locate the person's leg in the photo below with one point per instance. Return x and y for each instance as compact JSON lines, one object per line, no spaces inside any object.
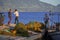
{"x":9,"y":20}
{"x":17,"y":20}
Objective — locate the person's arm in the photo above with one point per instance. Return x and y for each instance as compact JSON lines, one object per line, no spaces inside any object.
{"x":14,"y":13}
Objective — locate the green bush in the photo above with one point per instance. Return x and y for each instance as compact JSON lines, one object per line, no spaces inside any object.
{"x":20,"y":31}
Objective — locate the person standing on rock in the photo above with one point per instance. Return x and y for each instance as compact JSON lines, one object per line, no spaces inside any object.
{"x":46,"y":20}
{"x":9,"y":16}
{"x":17,"y":15}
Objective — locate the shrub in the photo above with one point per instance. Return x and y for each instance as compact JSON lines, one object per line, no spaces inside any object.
{"x":20,"y":30}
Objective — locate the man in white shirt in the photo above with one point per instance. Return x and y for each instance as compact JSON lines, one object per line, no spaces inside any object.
{"x":17,"y":15}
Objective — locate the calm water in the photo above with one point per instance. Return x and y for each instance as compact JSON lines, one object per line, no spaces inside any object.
{"x":26,"y":17}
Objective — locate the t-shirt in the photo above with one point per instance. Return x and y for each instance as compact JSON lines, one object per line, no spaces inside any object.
{"x":16,"y":13}
{"x":9,"y":14}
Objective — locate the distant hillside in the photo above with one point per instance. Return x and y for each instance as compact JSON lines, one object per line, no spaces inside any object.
{"x":57,"y":8}
{"x":26,"y":5}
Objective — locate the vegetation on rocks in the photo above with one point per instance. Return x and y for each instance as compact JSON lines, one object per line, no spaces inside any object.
{"x":1,"y":19}
{"x":21,"y":30}
{"x":35,"y":26}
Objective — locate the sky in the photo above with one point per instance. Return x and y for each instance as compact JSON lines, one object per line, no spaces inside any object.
{"x":53,"y":2}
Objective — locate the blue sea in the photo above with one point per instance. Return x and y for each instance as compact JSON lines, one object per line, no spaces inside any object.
{"x":26,"y":17}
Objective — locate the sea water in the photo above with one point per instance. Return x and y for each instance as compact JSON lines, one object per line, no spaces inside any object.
{"x":26,"y":17}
